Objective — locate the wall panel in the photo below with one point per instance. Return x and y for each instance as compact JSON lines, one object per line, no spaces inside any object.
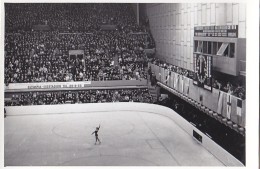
{"x":235,"y":14}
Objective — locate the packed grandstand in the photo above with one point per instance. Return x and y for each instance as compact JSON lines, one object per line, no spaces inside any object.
{"x":118,"y":54}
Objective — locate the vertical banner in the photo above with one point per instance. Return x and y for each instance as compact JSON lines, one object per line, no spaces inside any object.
{"x":201,"y":98}
{"x":229,"y":100}
{"x":239,"y":111}
{"x":212,"y":102}
{"x":188,"y":85}
{"x":178,"y":81}
{"x":166,"y":77}
{"x":220,"y":102}
{"x":163,"y":75}
{"x":152,"y":67}
{"x":171,"y":80}
{"x":157,"y":71}
{"x":243,"y":117}
{"x":182,"y":83}
{"x":160,"y":74}
{"x":176,"y":78}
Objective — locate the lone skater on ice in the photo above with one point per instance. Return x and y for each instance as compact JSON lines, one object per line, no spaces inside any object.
{"x":96,"y":134}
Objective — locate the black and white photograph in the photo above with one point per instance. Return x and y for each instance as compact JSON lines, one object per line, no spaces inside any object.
{"x":125,"y":84}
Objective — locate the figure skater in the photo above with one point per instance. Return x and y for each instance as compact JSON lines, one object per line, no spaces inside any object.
{"x":96,"y":135}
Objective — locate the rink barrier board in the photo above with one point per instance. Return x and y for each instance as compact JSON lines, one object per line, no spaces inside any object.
{"x":57,"y":86}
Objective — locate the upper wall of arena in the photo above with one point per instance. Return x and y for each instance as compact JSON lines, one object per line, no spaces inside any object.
{"x":172,"y":26}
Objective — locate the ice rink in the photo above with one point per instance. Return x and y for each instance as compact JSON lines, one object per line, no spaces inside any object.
{"x":129,"y":138}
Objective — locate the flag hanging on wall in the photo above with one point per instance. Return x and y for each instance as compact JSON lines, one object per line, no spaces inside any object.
{"x":166,"y":80}
{"x":152,"y":67}
{"x":162,"y":74}
{"x":171,"y":80}
{"x":239,"y":107}
{"x":201,"y":98}
{"x":188,"y":85}
{"x":220,"y":102}
{"x":182,"y":83}
{"x":228,"y":105}
{"x":175,"y":80}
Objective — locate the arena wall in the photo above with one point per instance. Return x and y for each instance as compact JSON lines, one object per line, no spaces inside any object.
{"x":172,"y":26}
{"x":225,"y":157}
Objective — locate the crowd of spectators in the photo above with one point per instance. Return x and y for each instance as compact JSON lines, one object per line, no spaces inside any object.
{"x":179,"y":70}
{"x":43,"y":56}
{"x":70,"y":17}
{"x":76,"y":97}
{"x":233,"y":87}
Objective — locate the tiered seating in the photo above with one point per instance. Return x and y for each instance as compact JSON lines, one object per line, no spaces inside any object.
{"x":43,"y":56}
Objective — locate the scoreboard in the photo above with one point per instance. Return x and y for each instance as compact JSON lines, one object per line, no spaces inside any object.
{"x":203,"y":71}
{"x":230,"y":31}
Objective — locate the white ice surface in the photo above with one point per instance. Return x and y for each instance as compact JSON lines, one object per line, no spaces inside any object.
{"x":128,"y":138}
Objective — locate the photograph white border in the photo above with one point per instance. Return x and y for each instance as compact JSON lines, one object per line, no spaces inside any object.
{"x":252,"y":74}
